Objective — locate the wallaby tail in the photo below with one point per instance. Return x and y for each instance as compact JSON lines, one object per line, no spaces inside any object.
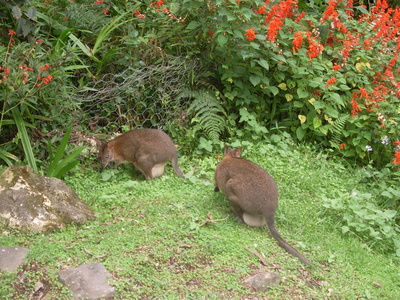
{"x":177,"y":171}
{"x":283,"y":244}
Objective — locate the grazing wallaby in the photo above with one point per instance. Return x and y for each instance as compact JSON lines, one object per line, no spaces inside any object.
{"x":252,"y":192}
{"x":147,"y":149}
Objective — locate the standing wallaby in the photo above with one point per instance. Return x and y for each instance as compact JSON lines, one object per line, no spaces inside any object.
{"x":147,"y":149}
{"x":252,"y":192}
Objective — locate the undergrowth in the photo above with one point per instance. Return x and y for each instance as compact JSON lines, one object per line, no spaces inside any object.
{"x":172,"y":238}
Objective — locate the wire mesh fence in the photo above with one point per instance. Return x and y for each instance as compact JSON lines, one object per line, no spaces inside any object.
{"x":137,"y":98}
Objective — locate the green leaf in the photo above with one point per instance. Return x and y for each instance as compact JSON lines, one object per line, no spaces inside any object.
{"x":274,"y":90}
{"x":6,"y":156}
{"x":315,"y":82}
{"x":331,"y":112}
{"x":302,"y":93}
{"x":390,"y":214}
{"x":317,"y":122}
{"x":255,"y":80}
{"x":298,"y":104}
{"x":193,"y":25}
{"x":263,"y":63}
{"x":222,"y":39}
{"x":31,"y":13}
{"x":362,"y":9}
{"x":324,"y":129}
{"x":300,"y":133}
{"x":288,"y":97}
{"x":336,"y":97}
{"x":319,"y":104}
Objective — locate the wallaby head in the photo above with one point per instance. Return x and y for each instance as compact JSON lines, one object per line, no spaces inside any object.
{"x":252,"y":193}
{"x":106,"y":154}
{"x":229,"y":152}
{"x":147,"y":149}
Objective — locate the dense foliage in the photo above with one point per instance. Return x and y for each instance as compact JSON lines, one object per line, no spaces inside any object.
{"x":324,"y":73}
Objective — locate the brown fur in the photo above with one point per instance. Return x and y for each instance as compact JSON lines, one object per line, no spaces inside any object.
{"x":252,"y":192}
{"x":147,"y":149}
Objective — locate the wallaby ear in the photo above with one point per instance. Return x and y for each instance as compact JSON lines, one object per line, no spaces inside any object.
{"x":99,"y":142}
{"x":226,"y":149}
{"x":237,"y":152}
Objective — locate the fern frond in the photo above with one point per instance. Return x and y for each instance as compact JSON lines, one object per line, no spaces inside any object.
{"x":337,"y":128}
{"x":206,"y":110}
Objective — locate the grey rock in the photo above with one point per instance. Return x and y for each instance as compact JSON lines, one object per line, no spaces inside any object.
{"x":263,"y":280}
{"x":88,"y":281}
{"x":11,"y":258}
{"x":32,"y":202}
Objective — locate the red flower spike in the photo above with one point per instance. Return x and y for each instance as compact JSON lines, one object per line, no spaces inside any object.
{"x":250,"y":33}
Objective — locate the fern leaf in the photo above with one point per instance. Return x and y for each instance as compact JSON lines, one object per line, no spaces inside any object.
{"x":337,"y":129}
{"x":207,"y":111}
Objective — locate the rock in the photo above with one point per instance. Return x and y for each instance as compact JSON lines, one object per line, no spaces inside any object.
{"x":32,"y":202}
{"x":88,"y":281}
{"x":11,"y":258}
{"x":263,"y":280}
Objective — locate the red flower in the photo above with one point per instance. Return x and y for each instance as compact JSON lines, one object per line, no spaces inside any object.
{"x":330,"y":81}
{"x":45,"y":67}
{"x":276,"y":17}
{"x":7,"y":72}
{"x":251,"y":34}
{"x":300,"y":17}
{"x":157,"y":3}
{"x":396,"y":160}
{"x":342,"y":146}
{"x":336,"y":67}
{"x":314,"y":49}
{"x":45,"y":80}
{"x":354,"y":104}
{"x":261,"y":10}
{"x":11,"y":32}
{"x":297,"y":41}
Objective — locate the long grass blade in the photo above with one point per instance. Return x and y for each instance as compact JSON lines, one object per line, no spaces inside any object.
{"x":26,"y":143}
{"x":59,"y":153}
{"x":6,"y":156}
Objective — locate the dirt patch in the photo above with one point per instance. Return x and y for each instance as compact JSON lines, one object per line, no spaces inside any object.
{"x":34,"y":283}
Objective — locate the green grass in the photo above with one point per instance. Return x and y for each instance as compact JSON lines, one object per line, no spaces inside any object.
{"x":172,"y":238}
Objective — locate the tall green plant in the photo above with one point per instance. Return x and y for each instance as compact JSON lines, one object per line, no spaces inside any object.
{"x":59,"y":166}
{"x":26,"y":142}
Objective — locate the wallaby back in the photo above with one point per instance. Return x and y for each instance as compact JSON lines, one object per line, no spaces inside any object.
{"x":147,"y":149}
{"x":252,"y":192}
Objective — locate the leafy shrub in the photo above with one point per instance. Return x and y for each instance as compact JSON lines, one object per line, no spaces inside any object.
{"x":362,"y":216}
{"x":31,"y":90}
{"x":312,"y":73}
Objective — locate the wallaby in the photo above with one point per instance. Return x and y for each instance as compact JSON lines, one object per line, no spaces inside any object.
{"x":252,"y":192}
{"x":147,"y":149}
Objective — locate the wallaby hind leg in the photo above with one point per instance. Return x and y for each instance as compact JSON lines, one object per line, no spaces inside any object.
{"x":157,"y":170}
{"x":144,"y":167}
{"x":254,"y":220}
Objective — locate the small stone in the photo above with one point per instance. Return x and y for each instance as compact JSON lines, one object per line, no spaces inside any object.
{"x":88,"y":281}
{"x":11,"y":258}
{"x":263,"y":280}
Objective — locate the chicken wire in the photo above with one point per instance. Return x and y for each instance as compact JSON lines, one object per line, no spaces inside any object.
{"x":137,"y":98}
